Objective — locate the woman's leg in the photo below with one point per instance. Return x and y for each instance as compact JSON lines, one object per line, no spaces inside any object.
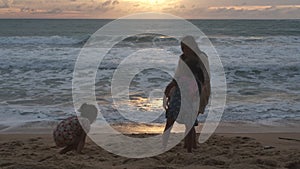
{"x":194,"y":138}
{"x":190,"y":141}
{"x":167,"y":131}
{"x":190,"y":138}
{"x":186,"y":136}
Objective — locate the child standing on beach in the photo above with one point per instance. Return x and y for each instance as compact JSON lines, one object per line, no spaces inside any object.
{"x":71,"y":132}
{"x":196,"y":84}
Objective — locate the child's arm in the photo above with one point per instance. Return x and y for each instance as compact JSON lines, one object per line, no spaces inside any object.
{"x":169,"y":87}
{"x":168,"y":92}
{"x":81,"y":142}
{"x":204,"y":97}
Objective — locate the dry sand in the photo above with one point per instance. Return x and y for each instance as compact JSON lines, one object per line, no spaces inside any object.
{"x":236,"y":151}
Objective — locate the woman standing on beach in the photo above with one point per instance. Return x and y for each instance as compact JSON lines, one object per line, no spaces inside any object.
{"x":197,"y":63}
{"x":71,"y":132}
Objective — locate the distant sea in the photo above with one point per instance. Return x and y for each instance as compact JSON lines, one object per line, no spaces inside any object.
{"x":261,"y":59}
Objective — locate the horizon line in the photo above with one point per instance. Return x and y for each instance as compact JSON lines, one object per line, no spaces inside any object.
{"x":152,"y":19}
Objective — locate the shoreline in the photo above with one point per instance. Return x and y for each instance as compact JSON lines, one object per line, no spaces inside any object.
{"x":44,"y":127}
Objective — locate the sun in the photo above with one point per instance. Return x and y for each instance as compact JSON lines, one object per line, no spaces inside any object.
{"x":152,"y":1}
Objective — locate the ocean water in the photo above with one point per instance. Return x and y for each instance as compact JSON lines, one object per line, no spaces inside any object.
{"x":261,"y":59}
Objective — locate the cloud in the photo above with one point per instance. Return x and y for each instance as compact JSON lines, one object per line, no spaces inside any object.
{"x":235,"y":12}
{"x":243,"y":8}
{"x":248,"y":12}
{"x":54,"y":11}
{"x":82,"y":7}
{"x":6,"y":3}
{"x":107,"y":6}
{"x":115,"y":2}
{"x":109,"y":3}
{"x":216,"y":9}
{"x":27,"y":10}
{"x":106,"y":3}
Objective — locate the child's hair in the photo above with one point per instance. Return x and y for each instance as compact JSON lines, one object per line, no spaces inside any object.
{"x":88,"y":111}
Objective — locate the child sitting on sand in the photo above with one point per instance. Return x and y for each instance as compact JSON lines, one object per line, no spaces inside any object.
{"x":71,"y":132}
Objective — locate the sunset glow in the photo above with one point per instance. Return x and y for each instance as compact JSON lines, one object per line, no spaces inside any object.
{"x":288,"y":9}
{"x":151,"y":2}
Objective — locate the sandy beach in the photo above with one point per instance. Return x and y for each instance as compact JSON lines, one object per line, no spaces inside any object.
{"x":224,"y":150}
{"x":47,"y":69}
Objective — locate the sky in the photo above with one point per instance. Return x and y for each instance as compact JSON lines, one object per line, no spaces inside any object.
{"x":188,"y":9}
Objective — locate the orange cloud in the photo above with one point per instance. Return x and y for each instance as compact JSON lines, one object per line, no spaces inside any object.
{"x":251,"y":8}
{"x":117,"y":8}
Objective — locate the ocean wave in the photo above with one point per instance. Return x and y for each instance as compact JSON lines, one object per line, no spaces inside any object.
{"x":138,"y":40}
{"x":148,"y":37}
{"x":35,"y":81}
{"x":47,"y":40}
{"x":254,"y":39}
